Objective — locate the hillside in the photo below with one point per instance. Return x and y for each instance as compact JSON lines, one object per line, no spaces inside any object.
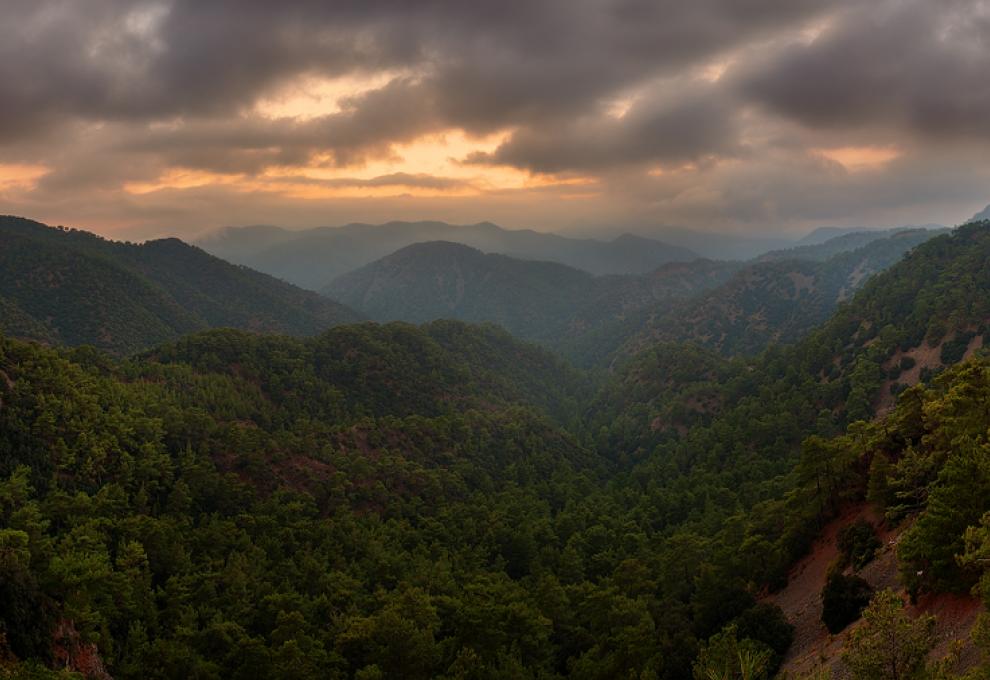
{"x":733,"y":308}
{"x":396,"y":369}
{"x":748,"y":453}
{"x":560,"y":307}
{"x":618,"y":306}
{"x":285,"y":476}
{"x":842,"y":243}
{"x":460,"y":500}
{"x":437,"y":280}
{"x":72,"y":287}
{"x":691,"y":420}
{"x":314,"y":258}
{"x":918,"y":481}
{"x":774,"y":301}
{"x":925,"y":312}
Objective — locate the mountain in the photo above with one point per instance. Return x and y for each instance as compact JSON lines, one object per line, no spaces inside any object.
{"x":314,"y":258}
{"x":982,"y":215}
{"x":249,"y":240}
{"x":72,"y":287}
{"x":822,"y":235}
{"x":904,"y":325}
{"x":553,"y":304}
{"x":617,"y":307}
{"x":732,"y":307}
{"x":447,"y":501}
{"x":438,"y":280}
{"x":749,"y":432}
{"x":388,"y":370}
{"x":709,"y":244}
{"x":777,"y":300}
{"x":842,"y":243}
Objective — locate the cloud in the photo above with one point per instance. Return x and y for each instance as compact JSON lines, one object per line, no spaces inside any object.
{"x":910,"y":67}
{"x":485,"y":64}
{"x":707,"y":113}
{"x":694,"y":124}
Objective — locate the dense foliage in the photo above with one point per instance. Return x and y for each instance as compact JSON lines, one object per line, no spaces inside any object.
{"x":857,"y":543}
{"x":891,"y":645}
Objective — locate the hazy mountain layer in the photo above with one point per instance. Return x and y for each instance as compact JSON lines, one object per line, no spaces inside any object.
{"x":542,"y":301}
{"x":314,"y":258}
{"x":841,"y":243}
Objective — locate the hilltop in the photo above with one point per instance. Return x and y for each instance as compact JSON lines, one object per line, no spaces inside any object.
{"x":73,"y":287}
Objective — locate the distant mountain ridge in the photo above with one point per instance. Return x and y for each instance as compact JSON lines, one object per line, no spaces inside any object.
{"x":73,"y":287}
{"x":845,"y":242}
{"x":315,"y":257}
{"x":822,"y":234}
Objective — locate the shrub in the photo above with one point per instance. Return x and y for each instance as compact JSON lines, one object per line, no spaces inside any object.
{"x":858,"y":543}
{"x":843,"y":600}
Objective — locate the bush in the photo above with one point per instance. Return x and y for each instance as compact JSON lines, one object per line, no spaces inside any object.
{"x":954,"y":350}
{"x":767,"y":624}
{"x":843,"y":600}
{"x":858,"y":543}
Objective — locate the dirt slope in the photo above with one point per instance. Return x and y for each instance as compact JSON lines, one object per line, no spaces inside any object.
{"x":801,"y":601}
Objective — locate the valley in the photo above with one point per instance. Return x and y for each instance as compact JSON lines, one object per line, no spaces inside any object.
{"x":419,"y":500}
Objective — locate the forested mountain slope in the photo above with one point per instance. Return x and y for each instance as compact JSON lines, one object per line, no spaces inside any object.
{"x":819,"y":252}
{"x":919,"y":481}
{"x":773,"y":301}
{"x":560,"y":307}
{"x":376,"y":499}
{"x":437,"y":280}
{"x":697,"y":425}
{"x":72,"y":287}
{"x":930,"y":307}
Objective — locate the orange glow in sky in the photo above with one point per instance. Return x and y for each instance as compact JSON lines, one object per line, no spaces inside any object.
{"x":855,"y":158}
{"x":20,"y":177}
{"x":435,"y":156}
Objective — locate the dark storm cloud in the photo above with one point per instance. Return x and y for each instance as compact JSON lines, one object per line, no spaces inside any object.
{"x":367,"y":124}
{"x":912,"y":65}
{"x":106,"y":92}
{"x":690,"y":126}
{"x":484,"y":64}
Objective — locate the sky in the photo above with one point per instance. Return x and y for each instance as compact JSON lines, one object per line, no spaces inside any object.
{"x":138,"y":119}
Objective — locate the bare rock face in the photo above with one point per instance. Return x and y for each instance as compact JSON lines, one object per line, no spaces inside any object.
{"x":71,"y":653}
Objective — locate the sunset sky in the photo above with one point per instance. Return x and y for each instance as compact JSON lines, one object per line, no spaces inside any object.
{"x":747,"y":116}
